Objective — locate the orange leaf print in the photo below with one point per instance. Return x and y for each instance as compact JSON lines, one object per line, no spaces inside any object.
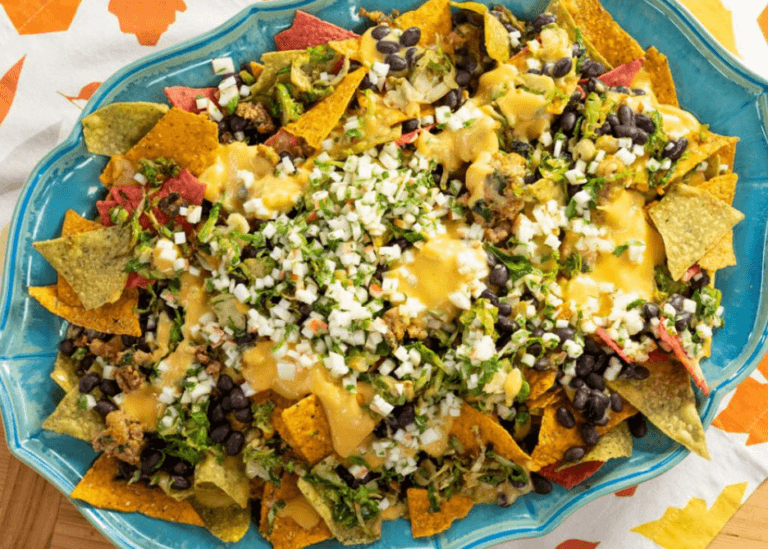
{"x":86,"y":91}
{"x":8,"y":84}
{"x":40,"y":16}
{"x":147,"y":19}
{"x":747,"y":411}
{"x":578,"y":544}
{"x":762,"y":21}
{"x":626,"y":492}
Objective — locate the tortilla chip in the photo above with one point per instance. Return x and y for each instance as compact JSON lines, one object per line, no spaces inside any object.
{"x":691,"y":221}
{"x":567,"y":21}
{"x":189,"y":139}
{"x":307,"y":30}
{"x":118,"y":171}
{"x":600,"y":30}
{"x":186,"y":98}
{"x":721,"y":255}
{"x":571,"y":475}
{"x":663,"y":85}
{"x":315,"y":124}
{"x":116,"y":128}
{"x":118,"y":318}
{"x":274,"y":63}
{"x":92,"y":262}
{"x":286,"y":532}
{"x":472,"y":425}
{"x":229,"y":523}
{"x":432,"y":17}
{"x":667,"y":400}
{"x":555,"y":440}
{"x":306,"y":428}
{"x":496,"y":36}
{"x":699,"y":150}
{"x":544,"y":400}
{"x":64,"y":372}
{"x":225,"y":475}
{"x":727,"y":155}
{"x":616,"y":443}
{"x":69,"y":419}
{"x":539,"y":381}
{"x":73,"y":223}
{"x":347,"y":48}
{"x":722,"y":187}
{"x":100,"y":488}
{"x":623,"y":75}
{"x":424,"y":523}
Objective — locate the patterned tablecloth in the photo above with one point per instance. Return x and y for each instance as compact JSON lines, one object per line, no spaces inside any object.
{"x":55,"y":53}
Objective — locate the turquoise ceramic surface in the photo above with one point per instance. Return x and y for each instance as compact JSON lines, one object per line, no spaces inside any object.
{"x":709,"y":83}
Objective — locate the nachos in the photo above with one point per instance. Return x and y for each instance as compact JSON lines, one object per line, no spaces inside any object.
{"x":447,"y":259}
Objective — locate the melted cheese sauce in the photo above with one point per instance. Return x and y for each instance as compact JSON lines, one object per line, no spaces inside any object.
{"x":624,"y":219}
{"x":452,"y":148}
{"x":301,"y":511}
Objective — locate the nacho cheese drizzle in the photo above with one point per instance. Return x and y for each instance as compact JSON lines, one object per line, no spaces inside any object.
{"x":413,"y":274}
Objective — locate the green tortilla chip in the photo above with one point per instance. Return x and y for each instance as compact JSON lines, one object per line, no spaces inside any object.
{"x":229,"y":523}
{"x":116,"y":128}
{"x":275,"y":62}
{"x":92,"y":262}
{"x":667,"y":400}
{"x":64,"y":372}
{"x":221,"y":479}
{"x":691,"y":221}
{"x":616,"y":443}
{"x":69,"y":419}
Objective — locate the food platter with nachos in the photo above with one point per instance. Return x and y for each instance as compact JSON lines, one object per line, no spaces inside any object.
{"x":455,"y":261}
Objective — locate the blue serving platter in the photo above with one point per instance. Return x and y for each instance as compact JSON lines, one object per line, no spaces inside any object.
{"x":710,"y":83}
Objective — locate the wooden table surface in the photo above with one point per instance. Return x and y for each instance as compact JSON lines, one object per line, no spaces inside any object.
{"x":34,"y":515}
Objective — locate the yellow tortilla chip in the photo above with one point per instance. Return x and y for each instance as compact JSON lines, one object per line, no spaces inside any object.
{"x":190,"y":139}
{"x":306,"y":429}
{"x":225,"y":475}
{"x":229,"y":523}
{"x":616,"y":443}
{"x":69,"y":419}
{"x":667,"y":400}
{"x":555,"y":440}
{"x":540,"y":382}
{"x":424,"y":523}
{"x":496,"y":36}
{"x":727,"y":156}
{"x":116,"y":128}
{"x":691,"y":221}
{"x":721,"y":255}
{"x":100,"y":489}
{"x":432,"y":17}
{"x":297,"y":524}
{"x":73,"y":224}
{"x":315,"y":124}
{"x":118,"y":171}
{"x":118,"y":318}
{"x":347,"y":48}
{"x":64,"y":372}
{"x":701,"y":145}
{"x":543,"y":400}
{"x":656,"y":67}
{"x":472,"y":425}
{"x":722,"y":187}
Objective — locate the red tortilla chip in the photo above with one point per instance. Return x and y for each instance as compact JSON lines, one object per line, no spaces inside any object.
{"x":570,"y":477}
{"x":623,"y":75}
{"x":602,"y":334}
{"x":691,"y":365}
{"x":307,"y":30}
{"x":135,"y":280}
{"x":186,"y":98}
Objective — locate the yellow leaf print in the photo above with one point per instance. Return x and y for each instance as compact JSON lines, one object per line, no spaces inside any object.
{"x":694,"y":527}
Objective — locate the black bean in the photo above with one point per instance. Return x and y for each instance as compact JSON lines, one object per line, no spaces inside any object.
{"x":150,"y":462}
{"x":682,"y":321}
{"x":244,"y":415}
{"x":466,"y":62}
{"x":406,"y":414}
{"x":104,"y":407}
{"x":592,"y":347}
{"x":220,"y":433}
{"x":547,"y":69}
{"x":235,"y":443}
{"x":506,"y":325}
{"x":626,"y":116}
{"x":576,"y":383}
{"x":590,"y":434}
{"x":366,"y":83}
{"x":625,"y":131}
{"x":499,"y":275}
{"x":225,"y":383}
{"x":451,"y":99}
{"x":565,"y":417}
{"x":645,"y":123}
{"x":223,"y":126}
{"x":88,"y":382}
{"x":505,"y":309}
{"x":585,"y":365}
{"x":676,"y":300}
{"x":216,"y":413}
{"x":109,"y":387}
{"x":534,"y":348}
{"x":675,"y":149}
{"x":595,"y":406}
{"x":410,"y":125}
{"x":565,"y":334}
{"x":534,"y":71}
{"x":591,"y":69}
{"x":67,"y":347}
{"x":613,"y":120}
{"x":637,"y":425}
{"x":621,"y":89}
{"x":577,"y":50}
{"x":700,"y":280}
{"x":604,"y":129}
{"x":562,"y":67}
{"x":395,"y":62}
{"x":650,"y":310}
{"x":509,"y":27}
{"x":385,"y":46}
{"x":180,"y":483}
{"x":580,"y":398}
{"x":641,"y":372}
{"x":380,"y":32}
{"x":237,"y":123}
{"x":574,"y":453}
{"x":595,"y":381}
{"x":490,"y":296}
{"x":568,"y":121}
{"x":182,"y":467}
{"x":541,"y":364}
{"x":542,"y":21}
{"x":638,"y":91}
{"x":410,"y":37}
{"x":617,"y":403}
{"x":541,"y":485}
{"x":125,"y":470}
{"x":238,"y":400}
{"x":463,"y":78}
{"x":640,"y":138}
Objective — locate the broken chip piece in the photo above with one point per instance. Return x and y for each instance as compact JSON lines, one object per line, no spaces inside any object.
{"x":116,"y":128}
